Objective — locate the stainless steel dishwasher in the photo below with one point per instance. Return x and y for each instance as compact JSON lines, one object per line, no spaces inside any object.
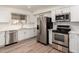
{"x":11,"y":37}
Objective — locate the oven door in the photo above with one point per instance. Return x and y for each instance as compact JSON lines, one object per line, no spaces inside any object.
{"x":60,"y":38}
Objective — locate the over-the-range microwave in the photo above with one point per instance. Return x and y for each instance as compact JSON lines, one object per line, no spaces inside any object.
{"x":63,"y":17}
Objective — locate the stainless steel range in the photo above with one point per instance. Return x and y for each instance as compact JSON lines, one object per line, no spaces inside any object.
{"x":60,"y":39}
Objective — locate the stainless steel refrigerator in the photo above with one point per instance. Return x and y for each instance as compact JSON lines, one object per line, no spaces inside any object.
{"x":43,"y":24}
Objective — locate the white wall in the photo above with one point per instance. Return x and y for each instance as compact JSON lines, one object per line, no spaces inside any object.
{"x":5,"y":13}
{"x":75,"y":26}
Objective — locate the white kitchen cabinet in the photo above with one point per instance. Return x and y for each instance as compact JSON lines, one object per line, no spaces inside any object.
{"x":35,"y":31}
{"x":26,"y":33}
{"x":62,"y":10}
{"x":2,"y":39}
{"x":74,"y":42}
{"x":32,"y":32}
{"x":66,"y":10}
{"x":58,"y":11}
{"x":75,"y":14}
{"x":20,"y":35}
{"x":53,"y":15}
{"x":50,"y":36}
{"x":23,"y":34}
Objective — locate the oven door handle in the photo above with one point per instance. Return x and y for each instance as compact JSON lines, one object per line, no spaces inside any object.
{"x":60,"y":34}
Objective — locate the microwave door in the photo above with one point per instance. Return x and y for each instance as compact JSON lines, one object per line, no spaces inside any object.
{"x":60,"y":18}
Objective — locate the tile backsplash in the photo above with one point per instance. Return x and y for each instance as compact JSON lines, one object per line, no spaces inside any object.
{"x":73,"y":25}
{"x":60,"y":23}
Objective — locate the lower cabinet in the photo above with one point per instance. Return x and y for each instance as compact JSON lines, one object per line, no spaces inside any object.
{"x":35,"y":31}
{"x":26,"y":33}
{"x":74,"y":42}
{"x":50,"y":36}
{"x":20,"y":35}
{"x":2,"y":39}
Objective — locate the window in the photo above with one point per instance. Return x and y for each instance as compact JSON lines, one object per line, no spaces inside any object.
{"x":18,"y":17}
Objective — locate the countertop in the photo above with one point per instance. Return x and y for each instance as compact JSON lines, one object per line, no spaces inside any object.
{"x":29,"y":26}
{"x":75,"y":32}
{"x":8,"y":28}
{"x":16,"y":27}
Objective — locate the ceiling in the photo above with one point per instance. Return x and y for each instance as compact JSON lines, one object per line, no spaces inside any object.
{"x":31,"y":8}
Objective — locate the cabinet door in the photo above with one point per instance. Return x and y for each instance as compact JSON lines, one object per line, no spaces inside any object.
{"x":26,"y":33}
{"x":77,"y":42}
{"x":50,"y":36}
{"x":75,"y":14}
{"x":53,"y":15}
{"x":63,"y":10}
{"x":35,"y":31}
{"x":66,"y":10}
{"x":58,"y":11}
{"x":20,"y":35}
{"x":2,"y":39}
{"x":31,"y":32}
{"x":73,"y":43}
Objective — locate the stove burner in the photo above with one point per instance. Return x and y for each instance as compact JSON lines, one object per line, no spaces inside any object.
{"x":62,"y":29}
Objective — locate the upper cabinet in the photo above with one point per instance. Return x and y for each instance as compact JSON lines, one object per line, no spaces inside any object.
{"x":75,"y":14}
{"x":62,"y":10}
{"x":66,"y":10}
{"x":53,"y":15}
{"x":58,"y":11}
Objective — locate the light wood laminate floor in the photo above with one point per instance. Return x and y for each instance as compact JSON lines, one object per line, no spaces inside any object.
{"x":28,"y":46}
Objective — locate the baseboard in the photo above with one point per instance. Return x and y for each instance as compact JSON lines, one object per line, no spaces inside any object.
{"x":11,"y":44}
{"x":42,"y":43}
